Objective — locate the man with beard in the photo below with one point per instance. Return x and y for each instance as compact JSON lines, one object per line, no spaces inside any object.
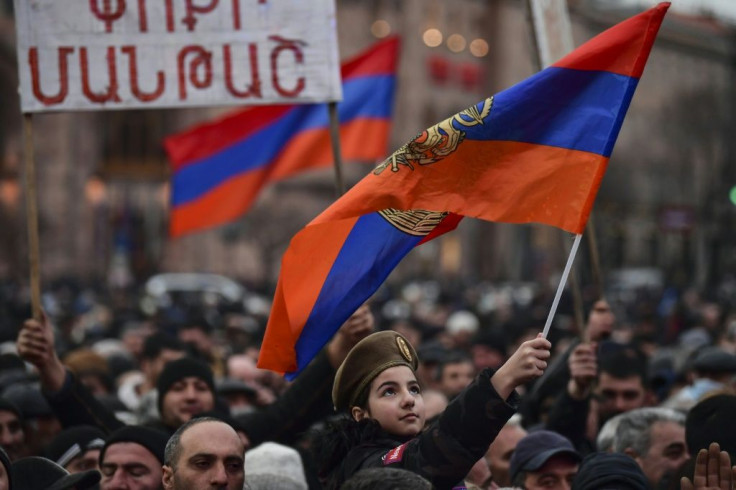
{"x":655,"y":438}
{"x":204,"y":453}
{"x":597,"y":330}
{"x":592,"y":397}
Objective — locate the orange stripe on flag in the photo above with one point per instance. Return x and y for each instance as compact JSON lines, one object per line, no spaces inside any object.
{"x":496,"y":181}
{"x":222,"y":205}
{"x":309,"y":275}
{"x":313,"y":146}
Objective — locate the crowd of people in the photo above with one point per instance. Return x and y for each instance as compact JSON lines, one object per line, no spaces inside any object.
{"x":423,"y":387}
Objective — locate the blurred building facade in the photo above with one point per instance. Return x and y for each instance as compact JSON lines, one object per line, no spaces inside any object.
{"x":102,"y":176}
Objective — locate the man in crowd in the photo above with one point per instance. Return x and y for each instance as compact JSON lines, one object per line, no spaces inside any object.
{"x":544,"y":460}
{"x":204,"y":453}
{"x":12,"y":437}
{"x":186,"y":388}
{"x":502,"y":448}
{"x":655,"y":438}
{"x":455,"y":372}
{"x":592,"y":397}
{"x":158,"y":350}
{"x":132,"y":459}
{"x":77,"y":448}
{"x":597,"y":330}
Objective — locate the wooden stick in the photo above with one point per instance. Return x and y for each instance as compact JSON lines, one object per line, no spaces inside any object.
{"x":32,"y":217}
{"x":595,"y":261}
{"x":336,"y":154}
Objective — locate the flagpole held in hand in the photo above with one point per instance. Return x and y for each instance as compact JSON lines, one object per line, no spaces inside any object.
{"x":561,"y":286}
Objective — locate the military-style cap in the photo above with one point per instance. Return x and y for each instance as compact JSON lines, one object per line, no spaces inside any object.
{"x":369,"y":358}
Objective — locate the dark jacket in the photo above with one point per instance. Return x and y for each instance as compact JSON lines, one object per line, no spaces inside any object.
{"x":569,"y":417}
{"x":306,"y":401}
{"x":443,"y":453}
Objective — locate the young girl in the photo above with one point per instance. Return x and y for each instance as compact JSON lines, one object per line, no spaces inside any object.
{"x":377,"y":388}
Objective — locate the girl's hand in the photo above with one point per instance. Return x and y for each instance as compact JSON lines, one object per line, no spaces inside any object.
{"x":527,"y":363}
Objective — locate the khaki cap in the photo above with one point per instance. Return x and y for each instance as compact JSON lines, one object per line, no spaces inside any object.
{"x":369,"y":358}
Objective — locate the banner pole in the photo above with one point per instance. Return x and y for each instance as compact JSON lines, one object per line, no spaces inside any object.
{"x":32,"y":217}
{"x":563,"y":280}
{"x":336,"y":153}
{"x":595,"y":261}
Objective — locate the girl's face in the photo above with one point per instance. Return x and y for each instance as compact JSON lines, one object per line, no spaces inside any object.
{"x":395,"y":401}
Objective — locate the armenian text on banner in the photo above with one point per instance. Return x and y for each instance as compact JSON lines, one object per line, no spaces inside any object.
{"x":125,"y":54}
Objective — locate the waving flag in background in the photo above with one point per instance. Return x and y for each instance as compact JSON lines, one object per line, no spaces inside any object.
{"x":220,"y":167}
{"x":533,"y":153}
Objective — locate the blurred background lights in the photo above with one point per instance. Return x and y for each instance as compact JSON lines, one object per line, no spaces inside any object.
{"x":432,"y":37}
{"x":456,"y":43}
{"x":733,"y":195}
{"x":478,"y":47}
{"x":380,"y":28}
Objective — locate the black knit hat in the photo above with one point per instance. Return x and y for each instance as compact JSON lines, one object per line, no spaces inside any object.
{"x":365,"y":361}
{"x":711,"y":420}
{"x":35,"y":473}
{"x":152,"y":439}
{"x":7,"y":406}
{"x":5,"y":460}
{"x":609,"y":470}
{"x":183,"y":368}
{"x":73,"y":442}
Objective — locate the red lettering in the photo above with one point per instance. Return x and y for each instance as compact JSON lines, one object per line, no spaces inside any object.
{"x":48,"y":100}
{"x":134,"y":87}
{"x":112,"y":90}
{"x":107,"y":15}
{"x":169,"y":15}
{"x":236,"y":15}
{"x":254,"y":89}
{"x":201,"y":64}
{"x":294,"y":46}
{"x":190,"y":20}
{"x":142,"y":16}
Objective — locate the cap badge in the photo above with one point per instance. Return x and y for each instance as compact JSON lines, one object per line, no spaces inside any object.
{"x":404,"y":348}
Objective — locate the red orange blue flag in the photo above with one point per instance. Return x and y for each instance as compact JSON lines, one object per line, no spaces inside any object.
{"x":535,"y":152}
{"x":218,"y":168}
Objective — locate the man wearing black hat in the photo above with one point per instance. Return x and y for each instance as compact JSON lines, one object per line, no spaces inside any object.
{"x":544,"y":460}
{"x":77,"y":448}
{"x":185,"y":387}
{"x":609,"y":470}
{"x":40,"y":425}
{"x":12,"y":437}
{"x":132,"y":459}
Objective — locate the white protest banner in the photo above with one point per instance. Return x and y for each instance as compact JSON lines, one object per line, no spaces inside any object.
{"x":125,"y":54}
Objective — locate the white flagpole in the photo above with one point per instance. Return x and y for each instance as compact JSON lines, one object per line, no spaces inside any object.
{"x":563,"y":280}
